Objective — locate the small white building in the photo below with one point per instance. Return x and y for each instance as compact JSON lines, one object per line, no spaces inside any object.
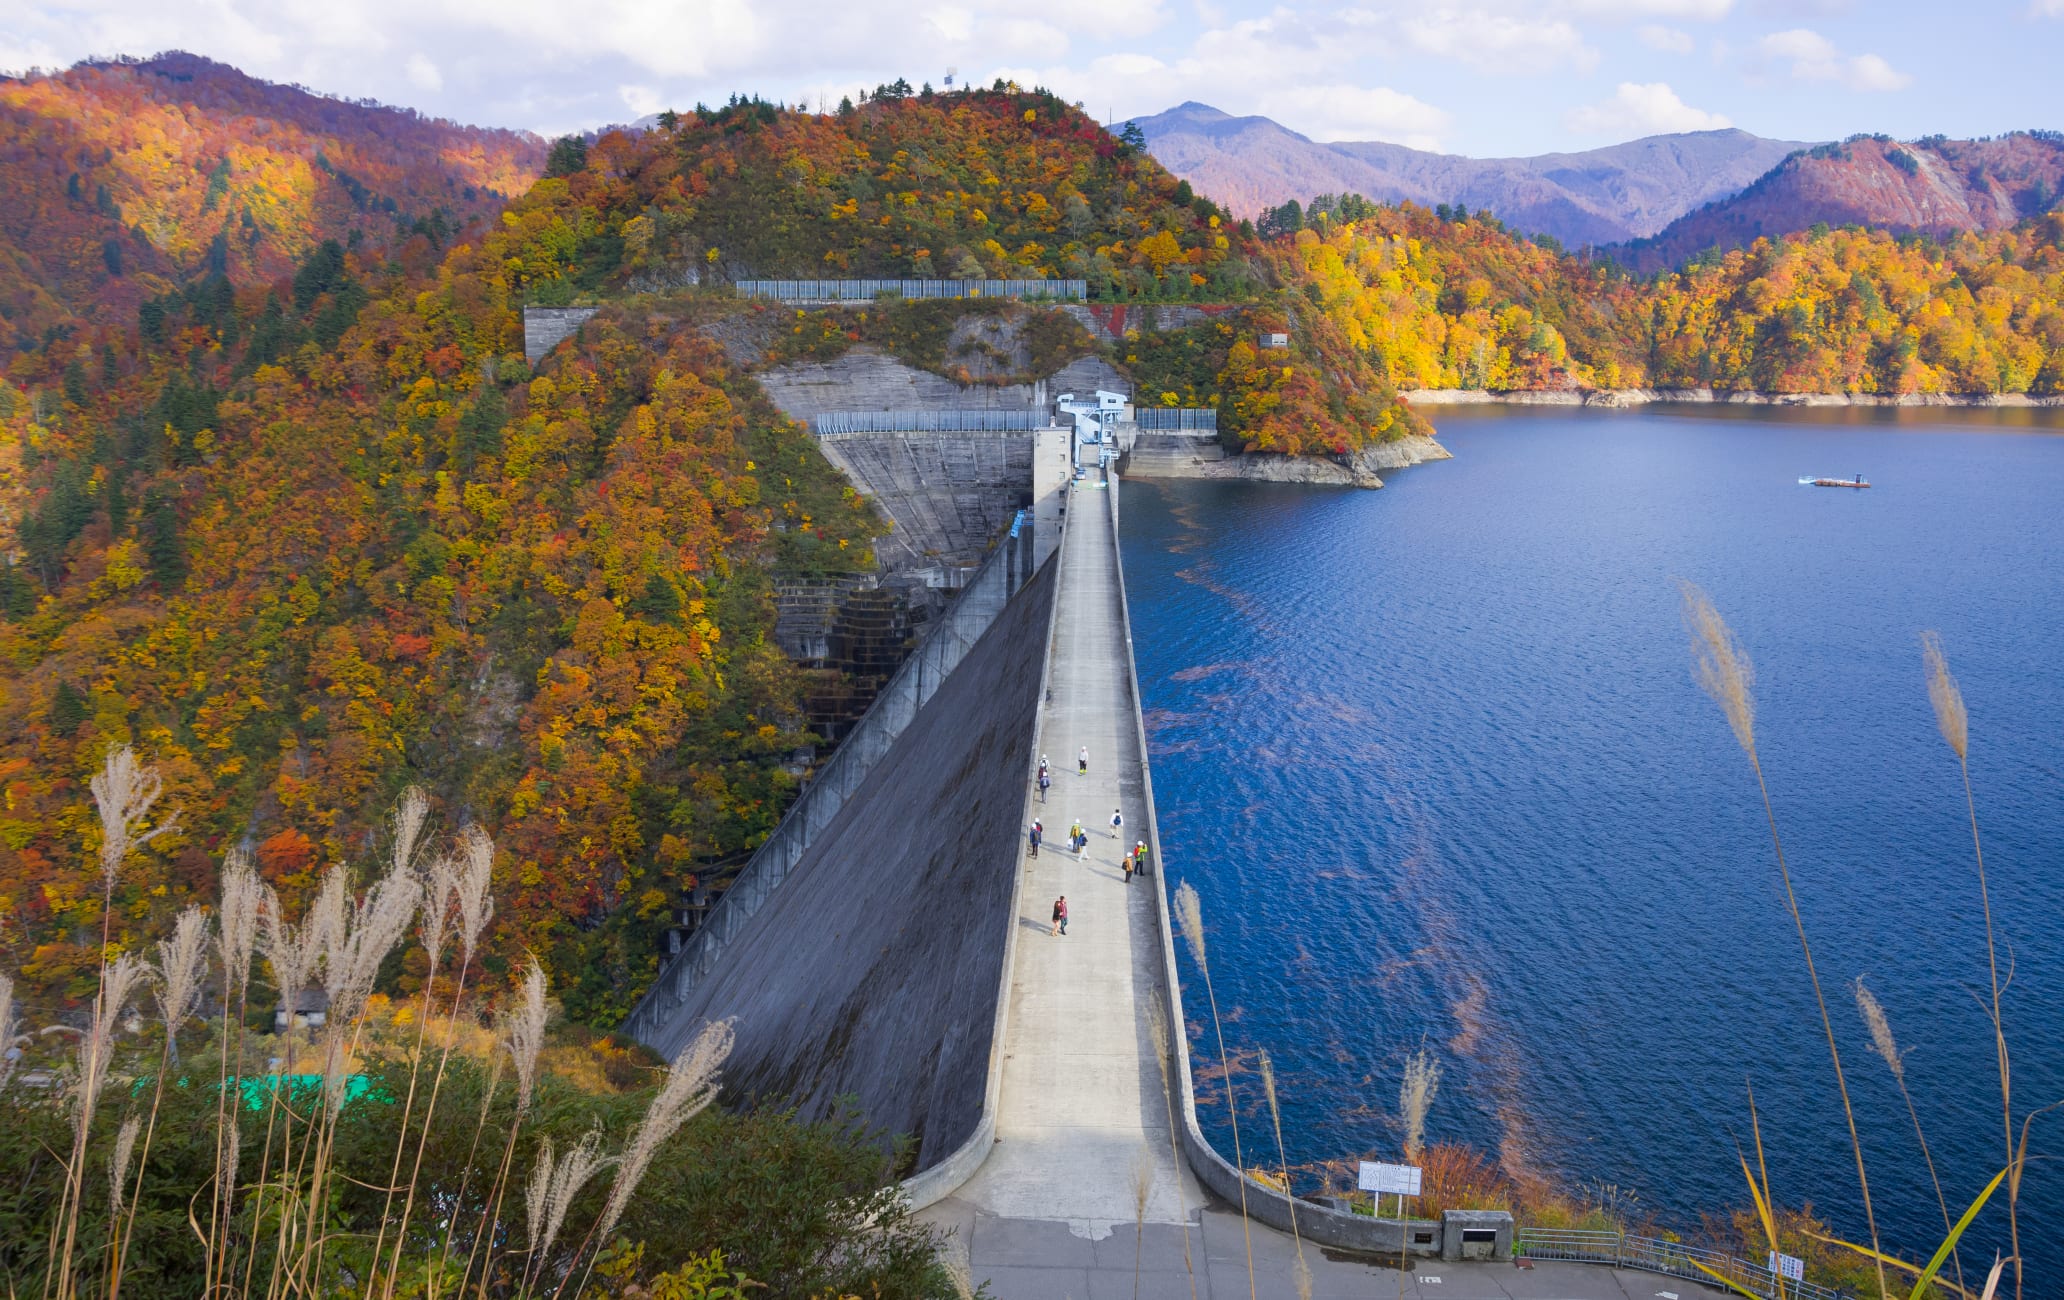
{"x":311,"y":1009}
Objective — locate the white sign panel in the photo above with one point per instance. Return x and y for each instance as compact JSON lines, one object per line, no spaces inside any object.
{"x":1789,"y":1267}
{"x":1390,"y":1180}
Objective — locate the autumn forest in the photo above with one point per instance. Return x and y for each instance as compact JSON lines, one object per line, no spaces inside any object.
{"x":286,"y":509}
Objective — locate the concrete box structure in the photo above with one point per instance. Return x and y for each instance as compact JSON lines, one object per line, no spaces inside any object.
{"x":545,"y":328}
{"x":1476,"y":1234}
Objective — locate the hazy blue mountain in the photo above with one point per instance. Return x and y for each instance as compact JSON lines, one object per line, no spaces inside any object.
{"x":1600,"y":196}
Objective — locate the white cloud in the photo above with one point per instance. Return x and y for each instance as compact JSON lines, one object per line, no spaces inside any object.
{"x":1691,"y":10}
{"x":2046,"y":9}
{"x":643,"y":101}
{"x":1499,"y":42}
{"x":1642,"y":109}
{"x":1810,"y":56}
{"x":1667,"y":39}
{"x":423,"y":74}
{"x":1353,"y":113}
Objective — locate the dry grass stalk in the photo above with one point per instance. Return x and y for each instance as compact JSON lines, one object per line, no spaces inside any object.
{"x":118,"y":982}
{"x":1157,"y":1031}
{"x":1415,"y":1097}
{"x":691,"y":1085}
{"x":1189,"y":913}
{"x":1887,"y":1047}
{"x":1954,"y":721}
{"x":960,"y":1269}
{"x":1724,"y":672}
{"x":1268,"y":1087}
{"x":523,"y":1025}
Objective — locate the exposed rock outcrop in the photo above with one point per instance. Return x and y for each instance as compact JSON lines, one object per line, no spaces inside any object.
{"x":1709,"y":397}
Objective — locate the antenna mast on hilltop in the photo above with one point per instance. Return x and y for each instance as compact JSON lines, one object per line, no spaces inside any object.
{"x":950,"y":74}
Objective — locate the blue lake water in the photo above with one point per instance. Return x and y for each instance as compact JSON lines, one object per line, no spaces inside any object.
{"x":1435,"y":762}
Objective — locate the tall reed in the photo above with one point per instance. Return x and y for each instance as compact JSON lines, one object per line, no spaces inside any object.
{"x":1723,"y":671}
{"x":182,"y":964}
{"x":236,"y":935}
{"x":124,"y":792}
{"x":1268,"y":1088}
{"x":523,"y":1037}
{"x":1189,"y":915}
{"x":1954,"y":722}
{"x":1887,"y":1048}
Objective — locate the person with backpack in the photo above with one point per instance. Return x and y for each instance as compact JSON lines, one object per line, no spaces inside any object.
{"x":1034,"y":835}
{"x":1139,"y":854}
{"x":1117,"y":824}
{"x":1045,"y":783}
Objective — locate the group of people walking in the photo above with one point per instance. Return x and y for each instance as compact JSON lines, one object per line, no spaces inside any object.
{"x":1133,"y":863}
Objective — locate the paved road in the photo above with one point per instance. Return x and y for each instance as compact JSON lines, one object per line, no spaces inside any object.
{"x":1057,"y":1212}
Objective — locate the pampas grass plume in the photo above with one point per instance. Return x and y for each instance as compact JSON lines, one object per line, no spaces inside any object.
{"x":236,"y":936}
{"x":1719,"y":664}
{"x":1189,"y":917}
{"x":182,"y":961}
{"x":474,"y":876}
{"x":1882,"y":1041}
{"x":691,"y":1085}
{"x":1943,"y":693}
{"x":124,"y":791}
{"x":523,"y":1032}
{"x":1415,"y":1097}
{"x":572,"y":1172}
{"x":118,"y":1163}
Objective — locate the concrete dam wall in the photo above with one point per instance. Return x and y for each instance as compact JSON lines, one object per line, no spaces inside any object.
{"x":874,"y":970}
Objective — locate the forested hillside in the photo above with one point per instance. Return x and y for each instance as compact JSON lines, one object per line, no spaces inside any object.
{"x":306,"y":536}
{"x":308,"y":540}
{"x":1932,"y":186}
{"x":1440,"y":300}
{"x":127,"y":179}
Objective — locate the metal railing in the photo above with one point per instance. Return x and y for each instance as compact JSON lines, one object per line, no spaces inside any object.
{"x":952,"y":635}
{"x":868,"y":290}
{"x":1202,"y":419}
{"x":833,"y":423}
{"x":1654,"y":1255}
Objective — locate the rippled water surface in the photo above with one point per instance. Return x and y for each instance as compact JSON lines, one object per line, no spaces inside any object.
{"x":1434,"y":759}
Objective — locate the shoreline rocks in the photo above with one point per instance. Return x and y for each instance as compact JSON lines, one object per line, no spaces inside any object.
{"x":1622,"y":397}
{"x":1362,"y":469}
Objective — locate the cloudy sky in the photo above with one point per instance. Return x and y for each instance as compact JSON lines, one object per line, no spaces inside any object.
{"x":1480,"y":77}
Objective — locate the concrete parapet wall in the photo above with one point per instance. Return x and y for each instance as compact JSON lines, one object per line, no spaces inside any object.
{"x":545,"y":328}
{"x":873,"y":971}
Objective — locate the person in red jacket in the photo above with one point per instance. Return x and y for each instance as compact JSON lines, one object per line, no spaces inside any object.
{"x":1060,"y":915}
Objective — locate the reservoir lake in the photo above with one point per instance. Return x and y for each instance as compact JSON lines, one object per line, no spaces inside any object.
{"x":1434,"y":759}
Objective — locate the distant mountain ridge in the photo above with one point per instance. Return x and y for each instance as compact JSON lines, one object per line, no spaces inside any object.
{"x":1599,"y":196}
{"x":1931,"y":186}
{"x":126,"y":177}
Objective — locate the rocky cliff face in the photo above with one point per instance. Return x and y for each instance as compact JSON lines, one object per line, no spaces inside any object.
{"x":1935,"y":186}
{"x":1599,"y":196}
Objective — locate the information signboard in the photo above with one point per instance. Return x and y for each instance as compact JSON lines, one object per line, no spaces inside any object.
{"x":1390,"y":1180}
{"x":1789,"y":1267}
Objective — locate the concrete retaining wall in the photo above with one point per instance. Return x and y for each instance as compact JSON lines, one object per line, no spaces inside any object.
{"x":873,"y":972}
{"x":545,"y":328}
